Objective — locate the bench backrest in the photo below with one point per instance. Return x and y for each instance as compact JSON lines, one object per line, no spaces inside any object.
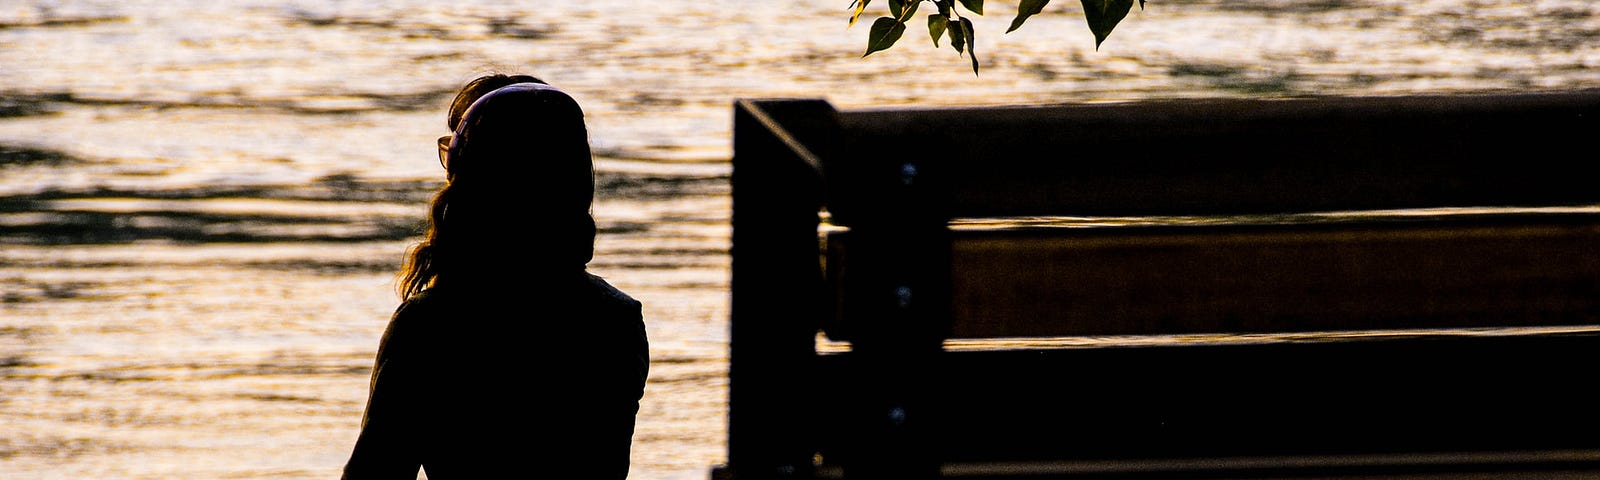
{"x":1130,"y":287}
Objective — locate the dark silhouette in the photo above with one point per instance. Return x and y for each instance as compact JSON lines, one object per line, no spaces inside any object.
{"x":506,"y":356}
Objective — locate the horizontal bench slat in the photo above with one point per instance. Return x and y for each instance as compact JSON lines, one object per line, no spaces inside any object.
{"x":1444,"y":393}
{"x":1221,"y":156}
{"x":1522,"y":271}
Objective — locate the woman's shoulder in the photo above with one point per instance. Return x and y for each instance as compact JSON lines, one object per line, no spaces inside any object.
{"x":424,"y":300}
{"x":610,"y":293}
{"x":625,"y":317}
{"x":433,"y":309}
{"x":586,"y":292}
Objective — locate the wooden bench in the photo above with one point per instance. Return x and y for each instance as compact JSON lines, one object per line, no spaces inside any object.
{"x":1384,"y":287}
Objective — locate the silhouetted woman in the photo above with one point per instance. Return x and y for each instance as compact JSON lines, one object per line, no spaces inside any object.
{"x":506,"y":357}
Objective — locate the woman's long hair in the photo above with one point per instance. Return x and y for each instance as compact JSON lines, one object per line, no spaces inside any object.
{"x":518,"y":191}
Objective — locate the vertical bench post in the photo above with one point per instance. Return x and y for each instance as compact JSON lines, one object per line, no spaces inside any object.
{"x":894,"y":284}
{"x":776,"y":289}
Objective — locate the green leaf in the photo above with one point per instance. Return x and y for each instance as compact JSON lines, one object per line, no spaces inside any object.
{"x":944,"y":6}
{"x":885,"y":31}
{"x":908,"y":10}
{"x":860,"y":6}
{"x":1025,"y":9}
{"x":936,"y":26}
{"x":1103,"y":15}
{"x":976,"y":6}
{"x":958,"y":37}
{"x":972,"y":44}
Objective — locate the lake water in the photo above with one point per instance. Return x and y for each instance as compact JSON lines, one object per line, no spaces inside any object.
{"x":202,"y":203}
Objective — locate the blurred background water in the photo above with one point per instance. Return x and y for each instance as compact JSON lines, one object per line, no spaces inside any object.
{"x":202,"y":204}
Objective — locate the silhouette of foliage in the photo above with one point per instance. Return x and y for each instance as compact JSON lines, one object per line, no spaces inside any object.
{"x":1102,"y":15}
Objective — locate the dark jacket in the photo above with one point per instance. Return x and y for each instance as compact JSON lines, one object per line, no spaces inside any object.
{"x":493,"y":381}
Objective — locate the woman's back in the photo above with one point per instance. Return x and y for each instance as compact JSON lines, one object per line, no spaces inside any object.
{"x":495,"y":380}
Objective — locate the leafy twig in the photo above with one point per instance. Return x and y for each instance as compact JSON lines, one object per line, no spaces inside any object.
{"x":1102,"y":15}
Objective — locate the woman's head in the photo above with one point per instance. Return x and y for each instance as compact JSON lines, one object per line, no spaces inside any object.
{"x":475,"y":89}
{"x":520,"y":184}
{"x":469,"y":93}
{"x":528,"y":134}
